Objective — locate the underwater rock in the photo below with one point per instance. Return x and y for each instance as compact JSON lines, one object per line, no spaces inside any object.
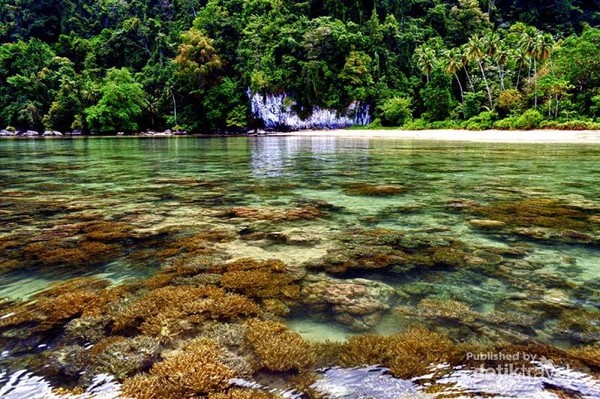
{"x":486,"y":224}
{"x":122,"y":357}
{"x":373,"y":190}
{"x":69,"y":361}
{"x":461,"y":204}
{"x":272,"y":214}
{"x":357,"y":303}
{"x":446,"y":309}
{"x":86,"y":329}
{"x":360,"y":257}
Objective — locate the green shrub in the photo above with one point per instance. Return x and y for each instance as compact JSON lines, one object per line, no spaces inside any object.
{"x":530,"y":119}
{"x":571,"y":125}
{"x":505,"y":124}
{"x":417,"y":124}
{"x":395,"y":111}
{"x":376,"y":124}
{"x":510,"y":101}
{"x":471,"y":106}
{"x":483,"y":121}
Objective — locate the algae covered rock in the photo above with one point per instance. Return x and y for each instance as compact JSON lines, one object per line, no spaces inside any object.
{"x":357,"y":303}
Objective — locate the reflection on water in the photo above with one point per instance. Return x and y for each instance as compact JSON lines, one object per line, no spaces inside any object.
{"x":488,"y":243}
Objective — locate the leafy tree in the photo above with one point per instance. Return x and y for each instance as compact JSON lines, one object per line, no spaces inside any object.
{"x":121,"y":104}
{"x":395,"y":111}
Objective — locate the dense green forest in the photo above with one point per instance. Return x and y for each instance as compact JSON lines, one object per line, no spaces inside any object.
{"x":126,"y":65}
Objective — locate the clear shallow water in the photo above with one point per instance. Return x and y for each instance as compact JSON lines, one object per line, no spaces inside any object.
{"x":535,"y":277}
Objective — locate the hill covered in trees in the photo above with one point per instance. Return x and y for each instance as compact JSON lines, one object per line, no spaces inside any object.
{"x":127,"y":65}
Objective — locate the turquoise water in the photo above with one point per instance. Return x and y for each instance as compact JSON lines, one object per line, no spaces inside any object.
{"x":398,"y":214}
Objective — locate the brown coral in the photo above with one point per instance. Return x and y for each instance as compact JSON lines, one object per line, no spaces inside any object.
{"x":261,"y":279}
{"x":193,"y":372}
{"x":166,"y":312}
{"x":277,"y":348}
{"x":408,"y":354}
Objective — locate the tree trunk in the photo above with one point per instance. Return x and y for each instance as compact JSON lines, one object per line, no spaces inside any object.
{"x":535,"y":81}
{"x":501,"y":73}
{"x":462,"y":94}
{"x":174,"y":106}
{"x":469,"y":81}
{"x":487,"y":86}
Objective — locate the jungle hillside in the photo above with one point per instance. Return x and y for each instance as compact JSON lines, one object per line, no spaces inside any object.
{"x":108,"y":66}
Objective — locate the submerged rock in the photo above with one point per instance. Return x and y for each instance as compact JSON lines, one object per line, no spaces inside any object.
{"x":486,"y":224}
{"x":356,"y":303}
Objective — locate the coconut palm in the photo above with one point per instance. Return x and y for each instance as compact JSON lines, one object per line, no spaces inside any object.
{"x":452,"y":64}
{"x":475,"y":51}
{"x":495,"y":52}
{"x":501,"y":61}
{"x":522,"y":60}
{"x":541,"y":49}
{"x":464,"y":61}
{"x":424,"y":57}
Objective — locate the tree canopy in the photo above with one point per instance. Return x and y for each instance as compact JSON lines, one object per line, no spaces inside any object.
{"x":115,"y":65}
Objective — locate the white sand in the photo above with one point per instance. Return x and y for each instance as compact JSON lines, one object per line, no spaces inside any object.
{"x":486,"y":136}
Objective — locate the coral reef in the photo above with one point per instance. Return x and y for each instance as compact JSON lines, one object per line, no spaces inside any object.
{"x":407,"y":354}
{"x":446,"y":309}
{"x":373,"y":249}
{"x":193,"y":372}
{"x":123,"y":357}
{"x":306,"y":212}
{"x":277,"y":348}
{"x":168,"y":311}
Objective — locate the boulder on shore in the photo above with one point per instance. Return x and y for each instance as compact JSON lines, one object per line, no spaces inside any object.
{"x":50,"y":133}
{"x":28,"y":133}
{"x":7,"y":133}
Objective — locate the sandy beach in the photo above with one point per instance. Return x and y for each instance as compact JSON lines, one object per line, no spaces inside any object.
{"x":486,"y":136}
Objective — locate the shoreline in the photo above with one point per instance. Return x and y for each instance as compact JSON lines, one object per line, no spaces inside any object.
{"x":483,"y":136}
{"x":446,"y":135}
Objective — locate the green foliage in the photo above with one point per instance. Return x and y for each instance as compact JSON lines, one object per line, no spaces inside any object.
{"x":120,"y":105}
{"x":530,"y":119}
{"x":483,"y":121}
{"x":395,"y":111}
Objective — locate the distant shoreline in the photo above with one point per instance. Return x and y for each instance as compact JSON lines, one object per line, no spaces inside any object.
{"x":484,"y":136}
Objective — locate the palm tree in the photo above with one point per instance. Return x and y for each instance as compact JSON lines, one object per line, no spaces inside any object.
{"x":475,"y":51}
{"x":521,"y":59}
{"x":464,"y":61}
{"x":495,"y":52}
{"x":526,"y":45}
{"x":541,"y":48}
{"x":424,"y":57}
{"x":537,"y":46}
{"x":501,"y":61}
{"x":452,"y":64}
